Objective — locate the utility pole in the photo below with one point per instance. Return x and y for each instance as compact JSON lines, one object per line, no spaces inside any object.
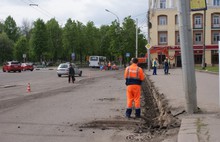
{"x":204,"y":34}
{"x":136,"y":55}
{"x":148,"y":37}
{"x":189,"y":79}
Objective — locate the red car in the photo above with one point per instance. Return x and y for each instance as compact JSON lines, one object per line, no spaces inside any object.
{"x":27,"y":66}
{"x":12,"y":66}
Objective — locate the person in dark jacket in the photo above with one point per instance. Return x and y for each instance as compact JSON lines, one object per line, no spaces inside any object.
{"x":166,"y":67}
{"x":71,"y":73}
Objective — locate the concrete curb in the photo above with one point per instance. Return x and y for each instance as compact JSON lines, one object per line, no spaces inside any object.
{"x":188,"y":130}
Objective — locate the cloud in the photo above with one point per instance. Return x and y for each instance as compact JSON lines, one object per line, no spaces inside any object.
{"x":80,"y":10}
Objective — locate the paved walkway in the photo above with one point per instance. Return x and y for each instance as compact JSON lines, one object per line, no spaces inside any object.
{"x":203,"y":126}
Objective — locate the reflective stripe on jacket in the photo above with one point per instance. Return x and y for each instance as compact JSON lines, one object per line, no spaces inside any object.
{"x":134,"y":75}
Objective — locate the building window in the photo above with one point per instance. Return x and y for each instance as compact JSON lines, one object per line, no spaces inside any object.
{"x":162,"y":3}
{"x":198,"y":59}
{"x":176,"y":19}
{"x":162,"y":38}
{"x":216,"y":20}
{"x":214,"y":57}
{"x":197,"y":37}
{"x":177,"y":40}
{"x":197,"y":20}
{"x":215,"y":37}
{"x":162,"y":20}
{"x":216,"y":2}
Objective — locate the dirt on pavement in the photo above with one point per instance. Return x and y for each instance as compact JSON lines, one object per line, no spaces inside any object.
{"x":156,"y":124}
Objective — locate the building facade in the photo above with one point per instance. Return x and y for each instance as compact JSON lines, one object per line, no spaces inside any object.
{"x":164,"y":32}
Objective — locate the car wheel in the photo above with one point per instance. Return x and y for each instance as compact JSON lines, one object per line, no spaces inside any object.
{"x":80,"y":74}
{"x":59,"y":75}
{"x":19,"y":70}
{"x":3,"y":70}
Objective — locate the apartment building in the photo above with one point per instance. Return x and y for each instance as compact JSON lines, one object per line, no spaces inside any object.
{"x":164,"y":32}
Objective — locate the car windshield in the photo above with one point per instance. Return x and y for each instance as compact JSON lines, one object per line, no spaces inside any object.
{"x":63,"y":66}
{"x":15,"y":63}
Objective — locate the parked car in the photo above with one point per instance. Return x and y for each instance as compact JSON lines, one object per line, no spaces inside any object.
{"x":27,"y":66}
{"x":11,"y":66}
{"x":63,"y":69}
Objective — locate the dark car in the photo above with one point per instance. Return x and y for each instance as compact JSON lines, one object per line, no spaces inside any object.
{"x":12,"y":66}
{"x":27,"y":66}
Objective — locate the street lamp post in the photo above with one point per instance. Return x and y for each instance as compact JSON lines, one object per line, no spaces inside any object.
{"x":113,"y":14}
{"x":117,"y":27}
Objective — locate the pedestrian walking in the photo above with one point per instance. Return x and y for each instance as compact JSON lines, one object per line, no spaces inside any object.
{"x":166,"y":67}
{"x":71,"y":74}
{"x":134,"y":76}
{"x":154,"y":65}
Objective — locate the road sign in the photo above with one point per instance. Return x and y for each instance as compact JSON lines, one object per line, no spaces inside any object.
{"x":148,"y":46}
{"x":73,"y":56}
{"x":127,"y":54}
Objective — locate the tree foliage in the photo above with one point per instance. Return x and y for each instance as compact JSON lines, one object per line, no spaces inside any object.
{"x":51,"y":42}
{"x":11,"y":29}
{"x":39,"y":40}
{"x":21,"y":47}
{"x":54,"y":40}
{"x":6,"y":48}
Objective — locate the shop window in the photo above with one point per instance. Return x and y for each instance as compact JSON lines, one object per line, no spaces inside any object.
{"x":215,"y":55}
{"x":198,"y":59}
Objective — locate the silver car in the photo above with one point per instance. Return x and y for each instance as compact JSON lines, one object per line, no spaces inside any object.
{"x":63,"y":69}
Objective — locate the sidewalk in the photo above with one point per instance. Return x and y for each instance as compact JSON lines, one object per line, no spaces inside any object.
{"x":203,"y":126}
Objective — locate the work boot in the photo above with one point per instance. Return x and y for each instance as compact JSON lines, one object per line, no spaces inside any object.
{"x":128,"y":112}
{"x":138,"y":113}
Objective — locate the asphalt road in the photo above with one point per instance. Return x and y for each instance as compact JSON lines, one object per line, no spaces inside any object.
{"x":56,"y":111}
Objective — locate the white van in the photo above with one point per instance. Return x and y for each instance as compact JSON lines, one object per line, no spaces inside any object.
{"x":97,"y":61}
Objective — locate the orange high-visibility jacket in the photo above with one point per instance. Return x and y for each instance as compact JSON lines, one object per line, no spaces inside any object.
{"x":134,"y":75}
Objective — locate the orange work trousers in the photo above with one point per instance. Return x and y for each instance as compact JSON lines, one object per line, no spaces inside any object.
{"x":133,"y":95}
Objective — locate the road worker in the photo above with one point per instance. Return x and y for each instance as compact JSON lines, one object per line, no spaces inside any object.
{"x":154,"y":65}
{"x":134,"y":76}
{"x":109,"y":65}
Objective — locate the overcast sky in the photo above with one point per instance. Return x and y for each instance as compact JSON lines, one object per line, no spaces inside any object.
{"x":81,"y":10}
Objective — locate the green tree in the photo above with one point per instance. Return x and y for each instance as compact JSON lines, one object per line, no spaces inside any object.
{"x":39,"y":40}
{"x":26,"y":28}
{"x":69,"y":39}
{"x":104,"y":40}
{"x":11,"y":29}
{"x":91,"y":39}
{"x":1,"y":27}
{"x":21,"y":47}
{"x":54,"y":40}
{"x":6,"y":48}
{"x":80,"y":42}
